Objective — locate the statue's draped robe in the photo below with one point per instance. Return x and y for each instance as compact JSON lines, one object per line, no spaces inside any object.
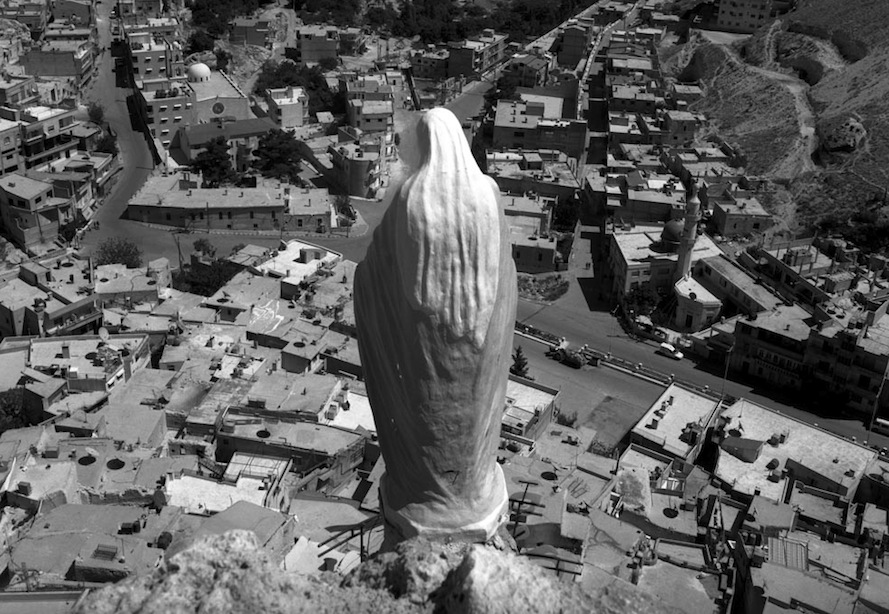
{"x":435,"y":306}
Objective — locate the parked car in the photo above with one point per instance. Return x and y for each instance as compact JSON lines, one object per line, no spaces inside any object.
{"x":670,"y":351}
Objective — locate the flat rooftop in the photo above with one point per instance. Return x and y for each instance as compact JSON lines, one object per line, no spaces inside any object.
{"x":665,"y":422}
{"x":304,"y":435}
{"x":218,"y":86}
{"x":837,"y":460}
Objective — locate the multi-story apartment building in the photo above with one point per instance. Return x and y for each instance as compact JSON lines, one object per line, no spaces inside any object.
{"x":848,"y":357}
{"x":772,"y":347}
{"x":529,"y":70}
{"x":527,"y":125}
{"x":167,"y":104}
{"x":356,"y":168}
{"x":430,"y":64}
{"x":10,"y":146}
{"x":154,"y":56}
{"x":135,"y":9}
{"x":743,"y":15}
{"x":78,"y":12}
{"x":46,"y":133}
{"x":18,"y":91}
{"x":573,"y":43}
{"x":288,"y":106}
{"x":60,"y":59}
{"x":242,"y":137}
{"x":314,"y":43}
{"x":32,"y":215}
{"x":34,"y":15}
{"x":371,"y":115}
{"x":246,"y":31}
{"x":476,"y":55}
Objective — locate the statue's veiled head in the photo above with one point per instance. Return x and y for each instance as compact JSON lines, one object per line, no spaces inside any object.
{"x":448,"y":213}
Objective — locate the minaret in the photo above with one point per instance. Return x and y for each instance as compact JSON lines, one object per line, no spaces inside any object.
{"x":689,"y":232}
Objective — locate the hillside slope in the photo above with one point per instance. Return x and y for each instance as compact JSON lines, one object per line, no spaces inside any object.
{"x":807,"y":97}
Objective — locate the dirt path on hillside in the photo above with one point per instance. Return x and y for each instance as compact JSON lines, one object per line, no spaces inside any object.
{"x":799,"y":160}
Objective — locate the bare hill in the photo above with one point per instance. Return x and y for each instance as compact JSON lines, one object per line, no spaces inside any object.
{"x":807,"y":97}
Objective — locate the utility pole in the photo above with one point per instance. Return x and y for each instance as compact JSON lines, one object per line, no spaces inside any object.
{"x":728,"y":356}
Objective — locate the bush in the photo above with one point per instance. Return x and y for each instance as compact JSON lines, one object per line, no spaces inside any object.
{"x":328,"y":63}
{"x":568,"y":420}
{"x":116,"y":250}
{"x":96,"y":113}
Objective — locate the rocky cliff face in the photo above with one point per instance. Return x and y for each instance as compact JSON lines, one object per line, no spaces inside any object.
{"x":229,"y":573}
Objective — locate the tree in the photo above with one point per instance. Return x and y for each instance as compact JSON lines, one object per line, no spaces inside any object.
{"x":200,"y":41}
{"x":275,"y":74}
{"x":107,"y":144}
{"x":278,"y":156}
{"x":566,"y":212}
{"x":344,"y":206}
{"x":96,"y":113}
{"x":504,"y":89}
{"x":223,"y":58}
{"x":214,"y":164}
{"x":118,"y":250}
{"x":519,"y":363}
{"x":204,"y":246}
{"x":328,"y":64}
{"x":641,"y":300}
{"x":12,"y":409}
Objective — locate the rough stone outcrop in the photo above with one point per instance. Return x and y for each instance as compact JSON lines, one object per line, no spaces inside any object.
{"x":229,"y":574}
{"x":845,"y":137}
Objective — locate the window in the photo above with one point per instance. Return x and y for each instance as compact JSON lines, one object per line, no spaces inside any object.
{"x":177,"y":119}
{"x":177,"y":106}
{"x":229,"y":215}
{"x":150,"y":109}
{"x":163,"y":108}
{"x":299,"y":223}
{"x":220,"y":215}
{"x":169,"y":217}
{"x":165,"y":132}
{"x":164,"y":120}
{"x":251,"y":215}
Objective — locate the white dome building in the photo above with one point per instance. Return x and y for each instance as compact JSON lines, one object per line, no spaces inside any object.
{"x":198,"y":73}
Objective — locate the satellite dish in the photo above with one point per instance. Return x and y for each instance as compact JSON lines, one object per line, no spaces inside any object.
{"x":103,"y":334}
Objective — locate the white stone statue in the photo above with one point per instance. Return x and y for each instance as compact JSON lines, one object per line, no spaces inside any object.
{"x":435,"y":303}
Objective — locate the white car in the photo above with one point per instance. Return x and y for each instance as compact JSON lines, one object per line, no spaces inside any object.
{"x":670,"y":351}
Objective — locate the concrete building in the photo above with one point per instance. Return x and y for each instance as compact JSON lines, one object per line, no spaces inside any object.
{"x":743,"y":15}
{"x":528,"y":70}
{"x":740,"y":216}
{"x":356,"y":168}
{"x":288,"y":106}
{"x":32,"y":215}
{"x":477,"y":55}
{"x":154,"y":56}
{"x":636,"y":197}
{"x":216,"y":96}
{"x":74,"y":11}
{"x":763,"y":452}
{"x":430,"y":64}
{"x":734,"y":286}
{"x":33,"y":15}
{"x":246,"y":31}
{"x":696,"y":307}
{"x":527,"y":125}
{"x":316,"y":42}
{"x":573,"y":43}
{"x":772,"y":347}
{"x":242,"y":137}
{"x":849,"y":359}
{"x":133,"y":10}
{"x":648,"y":255}
{"x":676,"y":423}
{"x":18,"y":91}
{"x":60,"y":59}
{"x":371,"y":115}
{"x":167,"y":105}
{"x":544,"y":172}
{"x":10,"y":146}
{"x":176,"y":201}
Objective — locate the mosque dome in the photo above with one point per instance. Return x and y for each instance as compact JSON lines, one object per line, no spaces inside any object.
{"x":198,"y":72}
{"x":672,"y":233}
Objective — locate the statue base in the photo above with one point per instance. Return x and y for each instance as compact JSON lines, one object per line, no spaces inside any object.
{"x":400,"y":526}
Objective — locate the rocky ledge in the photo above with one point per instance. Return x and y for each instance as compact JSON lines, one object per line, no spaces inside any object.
{"x":229,"y":573}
